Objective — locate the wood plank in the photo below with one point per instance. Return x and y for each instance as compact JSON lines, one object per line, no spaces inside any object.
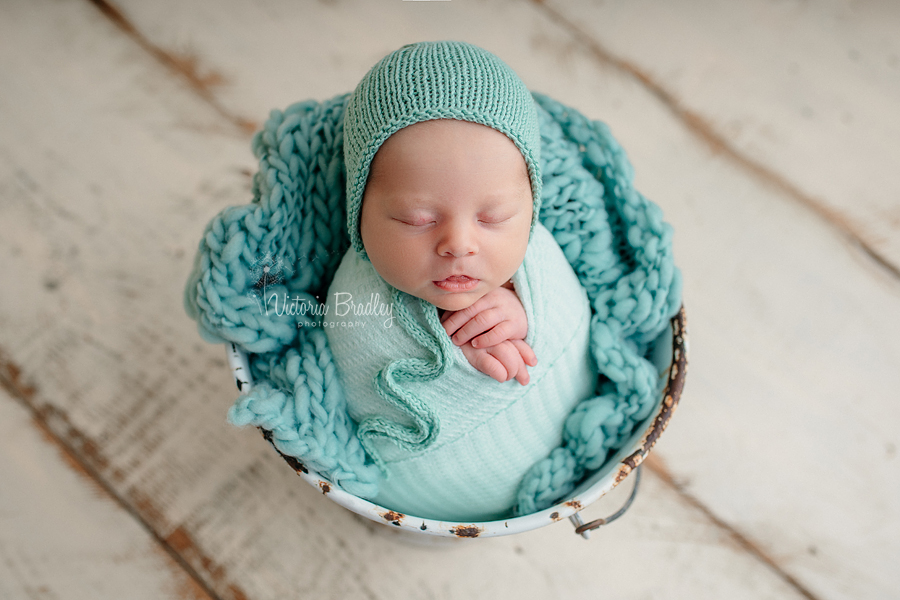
{"x":806,"y":91}
{"x":97,"y":232}
{"x":62,"y":536}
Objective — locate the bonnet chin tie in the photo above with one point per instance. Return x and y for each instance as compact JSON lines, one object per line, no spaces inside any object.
{"x":388,"y":384}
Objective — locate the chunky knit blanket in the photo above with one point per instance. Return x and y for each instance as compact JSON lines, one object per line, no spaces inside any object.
{"x":263,"y":269}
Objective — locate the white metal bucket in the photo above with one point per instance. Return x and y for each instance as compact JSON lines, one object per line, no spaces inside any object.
{"x":669,"y":354}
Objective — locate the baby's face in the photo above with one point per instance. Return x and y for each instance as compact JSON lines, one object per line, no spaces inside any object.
{"x":446,"y":213}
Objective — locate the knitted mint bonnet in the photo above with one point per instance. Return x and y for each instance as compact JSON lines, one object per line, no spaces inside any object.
{"x":435,"y":80}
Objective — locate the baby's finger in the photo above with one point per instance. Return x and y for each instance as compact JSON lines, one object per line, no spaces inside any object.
{"x":485,"y":363}
{"x":452,"y":321}
{"x":509,"y":357}
{"x":522,"y":355}
{"x":500,"y":332}
{"x":525,"y":352}
{"x":482,"y":322}
{"x":456,"y":319}
{"x":523,"y":377}
{"x":449,"y":322}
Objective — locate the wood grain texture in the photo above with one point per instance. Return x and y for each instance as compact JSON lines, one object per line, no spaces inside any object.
{"x":62,"y":536}
{"x":803,"y":93}
{"x":111,"y":164}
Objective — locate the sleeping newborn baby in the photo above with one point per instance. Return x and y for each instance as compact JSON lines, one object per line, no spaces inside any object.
{"x":452,"y":289}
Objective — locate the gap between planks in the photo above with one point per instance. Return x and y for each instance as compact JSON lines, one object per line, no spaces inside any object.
{"x":12,"y":381}
{"x":704,"y":131}
{"x":656,"y":466}
{"x":186,"y":68}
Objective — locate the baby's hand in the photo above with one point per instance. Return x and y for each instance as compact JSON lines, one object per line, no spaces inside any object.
{"x":495,"y":317}
{"x":504,"y":361}
{"x":491,"y":334}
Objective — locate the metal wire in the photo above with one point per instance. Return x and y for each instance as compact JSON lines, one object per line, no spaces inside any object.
{"x":584,"y":529}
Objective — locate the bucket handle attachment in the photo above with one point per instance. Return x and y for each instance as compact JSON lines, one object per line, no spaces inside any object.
{"x":584,"y":529}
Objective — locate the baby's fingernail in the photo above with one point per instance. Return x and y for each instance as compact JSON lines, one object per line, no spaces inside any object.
{"x":474,"y":343}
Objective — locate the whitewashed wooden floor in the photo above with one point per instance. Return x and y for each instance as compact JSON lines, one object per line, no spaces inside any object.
{"x":769,"y":132}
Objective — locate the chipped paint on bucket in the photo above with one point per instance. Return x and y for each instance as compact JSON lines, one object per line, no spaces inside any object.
{"x":669,"y":355}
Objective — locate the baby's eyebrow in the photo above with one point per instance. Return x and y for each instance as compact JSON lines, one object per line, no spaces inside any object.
{"x":413,"y":202}
{"x":510,"y":196}
{"x":413,"y":211}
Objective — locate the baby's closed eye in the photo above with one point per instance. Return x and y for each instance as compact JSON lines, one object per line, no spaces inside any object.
{"x":495,"y":218}
{"x":415,"y":220}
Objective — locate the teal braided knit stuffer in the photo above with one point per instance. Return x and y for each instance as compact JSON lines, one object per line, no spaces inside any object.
{"x":287,"y":245}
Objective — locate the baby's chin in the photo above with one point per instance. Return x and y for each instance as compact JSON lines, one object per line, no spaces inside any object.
{"x":455,"y":302}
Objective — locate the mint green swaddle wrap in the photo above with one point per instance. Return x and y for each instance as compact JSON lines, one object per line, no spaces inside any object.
{"x":487,"y":434}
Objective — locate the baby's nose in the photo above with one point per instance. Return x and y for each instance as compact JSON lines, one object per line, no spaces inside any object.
{"x":458,"y":241}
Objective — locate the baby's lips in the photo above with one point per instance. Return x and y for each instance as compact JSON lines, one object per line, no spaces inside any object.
{"x":457,"y":278}
{"x":457,"y":283}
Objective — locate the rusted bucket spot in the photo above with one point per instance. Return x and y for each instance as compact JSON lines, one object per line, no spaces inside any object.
{"x":393,"y":517}
{"x":466,"y":531}
{"x":624,"y":470}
